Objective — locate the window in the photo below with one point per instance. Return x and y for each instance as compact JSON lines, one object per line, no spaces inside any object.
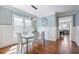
{"x":28,"y":25}
{"x":18,"y":25}
{"x":21,"y":24}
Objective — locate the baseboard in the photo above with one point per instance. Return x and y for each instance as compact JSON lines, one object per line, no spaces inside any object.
{"x":76,"y":43}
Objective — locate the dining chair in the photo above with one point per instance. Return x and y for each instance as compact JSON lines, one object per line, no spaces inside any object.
{"x":24,"y":33}
{"x":22,"y":43}
{"x":43,"y":38}
{"x":19,"y":43}
{"x":28,"y":41}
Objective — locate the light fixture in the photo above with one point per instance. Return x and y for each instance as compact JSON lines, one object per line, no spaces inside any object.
{"x":34,"y":7}
{"x":34,"y":19}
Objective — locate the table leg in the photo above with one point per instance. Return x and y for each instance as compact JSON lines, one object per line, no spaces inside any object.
{"x":21,"y":47}
{"x":27,"y":46}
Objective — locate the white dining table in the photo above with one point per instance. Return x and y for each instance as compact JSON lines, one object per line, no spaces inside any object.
{"x":27,"y":37}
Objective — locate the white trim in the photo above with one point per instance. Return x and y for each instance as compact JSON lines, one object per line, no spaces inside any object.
{"x":76,"y":34}
{"x":71,"y":33}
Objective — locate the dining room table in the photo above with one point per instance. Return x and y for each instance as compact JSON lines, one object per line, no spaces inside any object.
{"x":27,"y":38}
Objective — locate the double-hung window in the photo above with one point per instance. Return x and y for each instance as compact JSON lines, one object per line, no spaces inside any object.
{"x":21,"y":24}
{"x":18,"y":24}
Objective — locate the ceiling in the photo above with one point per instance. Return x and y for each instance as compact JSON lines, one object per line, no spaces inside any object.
{"x":45,"y":10}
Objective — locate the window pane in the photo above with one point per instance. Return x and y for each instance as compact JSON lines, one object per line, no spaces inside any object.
{"x":18,"y":21}
{"x":18,"y":24}
{"x":28,"y":25}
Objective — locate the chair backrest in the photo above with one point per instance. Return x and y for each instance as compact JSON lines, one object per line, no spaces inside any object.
{"x":25,"y":33}
{"x":43,"y":35}
{"x":36,"y":35}
{"x":19,"y":36}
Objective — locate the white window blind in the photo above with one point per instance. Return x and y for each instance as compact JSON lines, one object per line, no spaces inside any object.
{"x":18,"y":24}
{"x":28,"y":25}
{"x":22,"y":24}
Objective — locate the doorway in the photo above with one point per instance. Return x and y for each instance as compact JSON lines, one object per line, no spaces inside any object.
{"x":65,"y":28}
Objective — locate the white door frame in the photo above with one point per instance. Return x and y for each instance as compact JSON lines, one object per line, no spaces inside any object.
{"x":71,"y":31}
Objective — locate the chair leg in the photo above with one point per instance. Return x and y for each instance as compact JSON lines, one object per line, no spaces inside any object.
{"x":19,"y":47}
{"x":27,"y":46}
{"x":43,"y":41}
{"x":31,"y":47}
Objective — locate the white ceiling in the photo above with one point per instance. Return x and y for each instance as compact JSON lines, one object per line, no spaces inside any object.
{"x":45,"y":10}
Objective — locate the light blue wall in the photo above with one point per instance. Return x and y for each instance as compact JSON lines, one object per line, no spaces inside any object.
{"x":50,"y":21}
{"x":49,"y":28}
{"x":6,"y":15}
{"x":6,"y":18}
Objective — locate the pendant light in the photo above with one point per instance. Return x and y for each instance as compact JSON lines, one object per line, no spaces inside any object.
{"x":34,"y":19}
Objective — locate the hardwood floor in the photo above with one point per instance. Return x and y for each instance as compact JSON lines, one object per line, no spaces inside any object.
{"x":4,"y":50}
{"x":57,"y":47}
{"x":60,"y":46}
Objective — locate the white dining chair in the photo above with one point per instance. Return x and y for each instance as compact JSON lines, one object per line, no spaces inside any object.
{"x":19,"y":43}
{"x":29,"y":39}
{"x":43,"y":38}
{"x":22,"y":43}
{"x":24,"y":33}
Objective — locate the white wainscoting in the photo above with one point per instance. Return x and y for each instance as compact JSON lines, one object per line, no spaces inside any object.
{"x":6,"y":35}
{"x":50,"y":32}
{"x":76,"y":34}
